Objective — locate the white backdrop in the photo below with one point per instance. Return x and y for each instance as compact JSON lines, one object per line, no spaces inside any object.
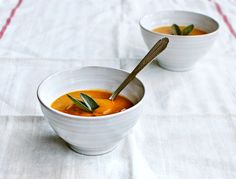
{"x":188,"y":127}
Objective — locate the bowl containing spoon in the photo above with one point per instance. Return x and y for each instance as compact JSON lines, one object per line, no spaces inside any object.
{"x":82,"y":109}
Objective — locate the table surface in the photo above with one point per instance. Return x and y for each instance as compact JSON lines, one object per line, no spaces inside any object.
{"x":188,"y":128}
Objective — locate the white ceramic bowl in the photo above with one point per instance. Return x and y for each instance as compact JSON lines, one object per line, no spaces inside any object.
{"x":183,"y":51}
{"x":90,"y":135}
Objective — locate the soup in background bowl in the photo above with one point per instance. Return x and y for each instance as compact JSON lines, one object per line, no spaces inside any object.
{"x":167,"y":30}
{"x":91,"y":135}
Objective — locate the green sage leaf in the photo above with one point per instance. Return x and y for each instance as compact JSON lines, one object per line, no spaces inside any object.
{"x":79,"y":103}
{"x":187,"y":30}
{"x":90,"y":103}
{"x":175,"y":29}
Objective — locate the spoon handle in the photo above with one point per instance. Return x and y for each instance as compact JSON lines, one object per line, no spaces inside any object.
{"x":156,"y":49}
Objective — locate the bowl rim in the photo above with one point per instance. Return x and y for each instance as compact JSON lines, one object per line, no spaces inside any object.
{"x":180,"y":36}
{"x":88,"y":118}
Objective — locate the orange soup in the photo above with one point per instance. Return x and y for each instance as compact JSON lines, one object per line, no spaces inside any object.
{"x":167,"y":30}
{"x":106,"y":106}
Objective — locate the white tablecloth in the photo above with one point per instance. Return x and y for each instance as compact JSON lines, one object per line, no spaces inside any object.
{"x":188,"y":129}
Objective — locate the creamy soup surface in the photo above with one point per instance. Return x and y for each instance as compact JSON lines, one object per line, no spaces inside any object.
{"x":106,"y":106}
{"x":167,"y":30}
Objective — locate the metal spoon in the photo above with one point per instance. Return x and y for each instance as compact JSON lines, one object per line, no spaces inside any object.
{"x":156,"y":49}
